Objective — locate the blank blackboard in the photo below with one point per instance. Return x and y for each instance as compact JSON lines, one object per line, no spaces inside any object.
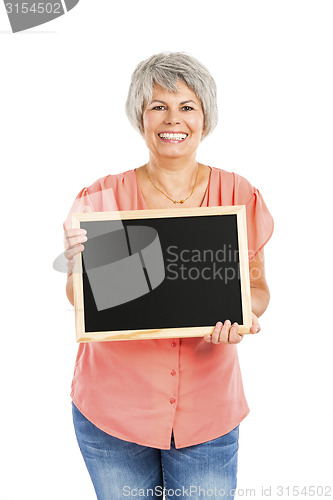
{"x":161,"y":273}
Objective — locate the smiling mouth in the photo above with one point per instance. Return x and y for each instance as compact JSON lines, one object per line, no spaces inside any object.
{"x":169,"y":137}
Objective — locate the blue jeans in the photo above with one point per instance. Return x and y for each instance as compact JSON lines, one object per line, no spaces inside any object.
{"x":120,"y":469}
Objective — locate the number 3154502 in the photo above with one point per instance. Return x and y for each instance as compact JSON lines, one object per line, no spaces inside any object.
{"x":35,"y":8}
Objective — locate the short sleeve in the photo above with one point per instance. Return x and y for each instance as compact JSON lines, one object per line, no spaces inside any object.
{"x":260,"y":223}
{"x":82,"y":200}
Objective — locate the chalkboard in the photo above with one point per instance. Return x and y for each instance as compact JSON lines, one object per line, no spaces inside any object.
{"x":153,"y":274}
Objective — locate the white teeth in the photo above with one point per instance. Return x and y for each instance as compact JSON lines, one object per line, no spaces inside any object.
{"x":177,"y":137}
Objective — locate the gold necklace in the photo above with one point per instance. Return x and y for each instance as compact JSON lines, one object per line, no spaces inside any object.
{"x":174,"y":201}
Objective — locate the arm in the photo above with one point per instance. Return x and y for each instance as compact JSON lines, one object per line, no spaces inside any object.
{"x":259,"y":289}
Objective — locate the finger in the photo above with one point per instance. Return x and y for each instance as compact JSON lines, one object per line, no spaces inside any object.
{"x":234,"y":336}
{"x":255,"y":328}
{"x":216,"y":333}
{"x":208,"y":337}
{"x":87,"y":208}
{"x":75,"y":240}
{"x":69,"y":233}
{"x":69,"y":254}
{"x":224,"y":335}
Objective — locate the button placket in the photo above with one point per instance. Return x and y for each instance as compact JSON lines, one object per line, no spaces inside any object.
{"x":173,"y":372}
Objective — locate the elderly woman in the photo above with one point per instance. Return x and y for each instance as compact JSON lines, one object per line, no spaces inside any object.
{"x":163,"y":415}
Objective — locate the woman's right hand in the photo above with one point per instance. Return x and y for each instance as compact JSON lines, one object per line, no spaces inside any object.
{"x":73,"y":239}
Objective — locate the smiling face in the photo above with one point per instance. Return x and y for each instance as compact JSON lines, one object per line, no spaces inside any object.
{"x":173,"y":122}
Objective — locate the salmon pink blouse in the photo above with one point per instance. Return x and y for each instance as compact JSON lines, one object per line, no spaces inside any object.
{"x":141,"y":390}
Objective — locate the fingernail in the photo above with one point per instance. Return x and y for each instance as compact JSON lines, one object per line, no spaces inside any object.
{"x":227,"y":322}
{"x":219,"y":324}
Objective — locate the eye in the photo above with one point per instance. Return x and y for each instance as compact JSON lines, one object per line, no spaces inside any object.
{"x":158,"y":107}
{"x":188,"y":108}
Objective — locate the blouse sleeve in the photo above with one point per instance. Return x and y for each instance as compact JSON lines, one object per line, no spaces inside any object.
{"x":260,"y":224}
{"x":82,"y":200}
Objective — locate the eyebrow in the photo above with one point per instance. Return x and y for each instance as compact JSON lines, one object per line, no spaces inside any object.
{"x":163,"y":102}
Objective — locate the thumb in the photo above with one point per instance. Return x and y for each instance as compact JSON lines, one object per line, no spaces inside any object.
{"x":87,"y":208}
{"x":255,"y":328}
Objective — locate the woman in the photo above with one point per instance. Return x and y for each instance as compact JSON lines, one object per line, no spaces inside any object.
{"x":154,"y":414}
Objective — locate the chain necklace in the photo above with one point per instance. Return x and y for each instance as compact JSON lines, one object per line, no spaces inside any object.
{"x":174,"y":201}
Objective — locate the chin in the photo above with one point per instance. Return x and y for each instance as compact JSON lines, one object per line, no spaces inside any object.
{"x":174,"y":154}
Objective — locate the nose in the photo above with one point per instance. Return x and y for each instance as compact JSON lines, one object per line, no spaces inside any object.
{"x":172,"y":117}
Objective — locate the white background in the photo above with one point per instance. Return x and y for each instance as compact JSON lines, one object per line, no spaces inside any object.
{"x":63,"y":125}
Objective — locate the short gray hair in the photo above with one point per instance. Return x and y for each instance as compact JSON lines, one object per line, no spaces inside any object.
{"x":165,"y":69}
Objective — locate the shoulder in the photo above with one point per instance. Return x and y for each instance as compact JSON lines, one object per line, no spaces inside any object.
{"x":104,"y":194}
{"x":108,"y":181}
{"x":111,"y":192}
{"x":234,"y":185}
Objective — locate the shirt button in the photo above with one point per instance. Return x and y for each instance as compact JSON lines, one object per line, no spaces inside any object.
{"x":173,"y":372}
{"x":172,"y":400}
{"x":173,"y":344}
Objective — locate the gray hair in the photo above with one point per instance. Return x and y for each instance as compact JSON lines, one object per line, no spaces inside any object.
{"x":165,"y":69}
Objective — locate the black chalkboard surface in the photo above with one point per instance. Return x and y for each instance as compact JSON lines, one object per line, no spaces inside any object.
{"x":161,"y":273}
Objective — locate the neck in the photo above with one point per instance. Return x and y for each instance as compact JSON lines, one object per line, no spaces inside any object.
{"x":175,"y":176}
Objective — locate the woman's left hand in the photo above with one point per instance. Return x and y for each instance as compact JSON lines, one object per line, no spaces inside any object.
{"x":227,"y":333}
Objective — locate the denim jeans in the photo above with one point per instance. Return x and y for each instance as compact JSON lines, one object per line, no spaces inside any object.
{"x":121,"y":469}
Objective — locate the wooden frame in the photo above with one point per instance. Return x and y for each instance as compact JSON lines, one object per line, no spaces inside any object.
{"x":238,"y":210}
